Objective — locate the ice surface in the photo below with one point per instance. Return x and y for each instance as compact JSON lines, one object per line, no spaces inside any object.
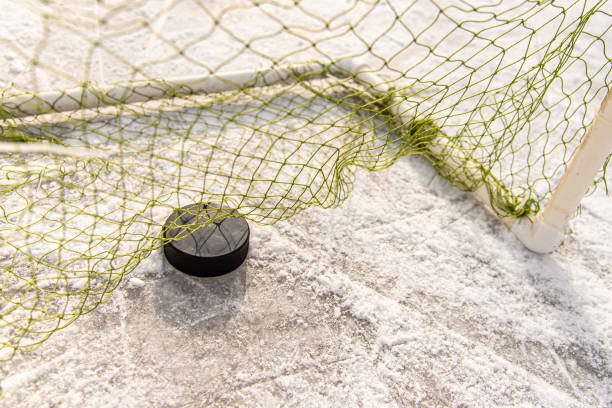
{"x":409,"y":294}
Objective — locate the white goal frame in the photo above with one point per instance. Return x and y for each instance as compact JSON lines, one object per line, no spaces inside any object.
{"x":542,"y":234}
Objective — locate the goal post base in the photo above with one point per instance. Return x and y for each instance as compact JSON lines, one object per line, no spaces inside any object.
{"x":537,"y":235}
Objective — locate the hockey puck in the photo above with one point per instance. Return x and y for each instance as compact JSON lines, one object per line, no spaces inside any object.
{"x":217,"y":248}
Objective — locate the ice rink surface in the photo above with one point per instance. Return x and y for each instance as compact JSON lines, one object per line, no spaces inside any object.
{"x":423,"y":299}
{"x":410,"y":294}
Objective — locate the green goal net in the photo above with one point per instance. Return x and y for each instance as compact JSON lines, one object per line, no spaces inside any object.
{"x":114,"y":113}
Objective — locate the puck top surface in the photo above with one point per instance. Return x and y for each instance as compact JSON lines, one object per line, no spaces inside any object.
{"x":214,"y":249}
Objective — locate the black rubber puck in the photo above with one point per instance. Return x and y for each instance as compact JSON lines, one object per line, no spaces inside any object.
{"x":215,"y":249}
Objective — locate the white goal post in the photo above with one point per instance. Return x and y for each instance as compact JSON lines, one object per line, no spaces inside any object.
{"x":542,"y":234}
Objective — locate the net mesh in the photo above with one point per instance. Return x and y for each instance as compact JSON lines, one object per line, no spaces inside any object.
{"x":495,"y":94}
